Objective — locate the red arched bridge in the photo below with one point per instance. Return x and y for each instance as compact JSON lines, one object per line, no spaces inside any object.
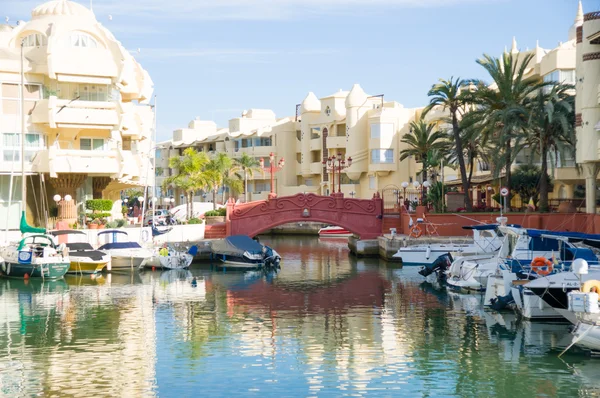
{"x":362,"y":217}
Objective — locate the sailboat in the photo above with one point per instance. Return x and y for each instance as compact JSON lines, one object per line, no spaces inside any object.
{"x":36,"y":255}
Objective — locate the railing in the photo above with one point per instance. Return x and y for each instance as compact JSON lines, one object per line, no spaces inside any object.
{"x":400,"y":200}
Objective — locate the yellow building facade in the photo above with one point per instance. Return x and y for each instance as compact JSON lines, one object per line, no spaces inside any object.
{"x":87,"y":123}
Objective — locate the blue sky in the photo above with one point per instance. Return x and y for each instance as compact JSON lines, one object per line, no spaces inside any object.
{"x":215,"y":58}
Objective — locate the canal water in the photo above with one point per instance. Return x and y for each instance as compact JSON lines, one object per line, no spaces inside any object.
{"x":327,"y":324}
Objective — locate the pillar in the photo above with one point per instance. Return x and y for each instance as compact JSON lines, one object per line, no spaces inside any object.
{"x":67,"y":184}
{"x":590,"y":171}
{"x":99,"y":184}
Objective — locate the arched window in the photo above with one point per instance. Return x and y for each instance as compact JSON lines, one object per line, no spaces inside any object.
{"x":80,"y":39}
{"x":34,"y":40}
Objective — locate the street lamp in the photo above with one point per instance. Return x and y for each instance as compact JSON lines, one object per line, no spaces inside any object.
{"x":423,"y":190}
{"x":272,"y":169}
{"x":338,"y":163}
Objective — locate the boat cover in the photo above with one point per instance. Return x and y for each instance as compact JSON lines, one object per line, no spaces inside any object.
{"x":237,"y":245}
{"x":120,"y":245}
{"x":483,"y":227}
{"x":572,"y":236}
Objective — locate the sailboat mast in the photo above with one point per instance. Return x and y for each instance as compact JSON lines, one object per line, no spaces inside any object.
{"x":22,"y":111}
{"x":154,"y":166}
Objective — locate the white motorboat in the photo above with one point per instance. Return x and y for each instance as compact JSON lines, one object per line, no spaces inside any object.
{"x":583,"y":304}
{"x":486,"y":239}
{"x":125,"y":254}
{"x":333,"y":231}
{"x":471,"y":272}
{"x":171,"y":258}
{"x":541,"y":294}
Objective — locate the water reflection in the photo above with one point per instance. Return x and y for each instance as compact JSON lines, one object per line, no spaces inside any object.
{"x":326,"y":324}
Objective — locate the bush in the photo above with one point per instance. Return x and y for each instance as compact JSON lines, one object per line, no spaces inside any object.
{"x":54,"y":211}
{"x":195,"y":221}
{"x":112,"y":224}
{"x":94,"y":216}
{"x":124,"y":209}
{"x":120,"y":223}
{"x":99,"y":204}
{"x":222,"y":212}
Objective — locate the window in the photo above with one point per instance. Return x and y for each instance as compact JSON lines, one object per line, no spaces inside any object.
{"x":340,"y":130}
{"x":346,"y":180}
{"x":262,"y":186}
{"x":328,"y":111}
{"x":383,"y":131}
{"x":372,"y":182}
{"x":34,"y":40}
{"x":80,"y":39}
{"x":315,"y":132}
{"x":11,"y":146}
{"x":561,"y":76}
{"x":91,"y":144}
{"x":379,"y":156}
{"x":262,"y":141}
{"x":375,"y":131}
{"x":10,"y":98}
{"x":308,"y":182}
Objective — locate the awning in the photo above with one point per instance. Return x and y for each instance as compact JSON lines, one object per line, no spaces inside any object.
{"x":83,"y":79}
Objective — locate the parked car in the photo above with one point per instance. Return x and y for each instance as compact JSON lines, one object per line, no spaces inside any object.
{"x":160,"y":217}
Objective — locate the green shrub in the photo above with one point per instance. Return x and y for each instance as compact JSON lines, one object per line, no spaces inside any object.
{"x":94,"y":216}
{"x":194,"y":221}
{"x":124,"y":209}
{"x":112,"y":224}
{"x":99,"y":204}
{"x":54,"y":211}
{"x":216,"y":213}
{"x":120,"y":223}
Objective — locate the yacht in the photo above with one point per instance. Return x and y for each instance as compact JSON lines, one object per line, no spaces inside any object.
{"x":84,"y":258}
{"x":486,"y":239}
{"x":125,"y":254}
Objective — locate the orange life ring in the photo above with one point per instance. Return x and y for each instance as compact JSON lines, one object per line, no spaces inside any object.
{"x":416,"y":231}
{"x":542,"y":266}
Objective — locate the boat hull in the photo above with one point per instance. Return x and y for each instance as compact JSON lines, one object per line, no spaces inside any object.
{"x":415,"y":255}
{"x":180,"y":261}
{"x":86,"y":267}
{"x":587,"y":335}
{"x":125,"y":263}
{"x":334,"y":232}
{"x":53,"y":270}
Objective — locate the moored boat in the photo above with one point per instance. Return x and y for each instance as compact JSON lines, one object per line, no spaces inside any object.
{"x":125,"y":255}
{"x":84,"y":259}
{"x":35,"y":256}
{"x":170,"y":258}
{"x":242,"y":252}
{"x":333,"y":231}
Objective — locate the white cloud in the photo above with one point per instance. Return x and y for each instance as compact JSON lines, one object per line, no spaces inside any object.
{"x":236,"y":9}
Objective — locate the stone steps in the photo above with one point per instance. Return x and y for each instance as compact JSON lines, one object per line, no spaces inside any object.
{"x":215,"y":231}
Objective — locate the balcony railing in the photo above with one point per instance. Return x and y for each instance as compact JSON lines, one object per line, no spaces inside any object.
{"x":55,"y":112}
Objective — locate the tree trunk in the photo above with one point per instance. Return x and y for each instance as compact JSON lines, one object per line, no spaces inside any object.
{"x":189,"y":205}
{"x":507,"y":166}
{"x":543,"y":205}
{"x":214,"y":195}
{"x":461,"y":161}
{"x":424,"y":173}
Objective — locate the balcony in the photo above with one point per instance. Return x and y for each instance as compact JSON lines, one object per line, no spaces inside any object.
{"x":255,"y":151}
{"x":56,"y":160}
{"x":336,"y":142}
{"x":75,"y":114}
{"x":315,"y":144}
{"x":316,"y":168}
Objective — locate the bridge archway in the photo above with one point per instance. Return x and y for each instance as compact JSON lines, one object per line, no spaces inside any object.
{"x":359,"y":216}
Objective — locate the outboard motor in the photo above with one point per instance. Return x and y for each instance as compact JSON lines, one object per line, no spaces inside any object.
{"x":440,"y":265}
{"x":501,"y":302}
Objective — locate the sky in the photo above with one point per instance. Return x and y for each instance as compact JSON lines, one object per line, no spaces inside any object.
{"x":213,"y":59}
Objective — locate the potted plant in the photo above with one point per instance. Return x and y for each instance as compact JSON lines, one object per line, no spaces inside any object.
{"x":215,"y":216}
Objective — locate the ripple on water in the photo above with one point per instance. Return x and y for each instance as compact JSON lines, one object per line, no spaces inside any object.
{"x":327,"y":325}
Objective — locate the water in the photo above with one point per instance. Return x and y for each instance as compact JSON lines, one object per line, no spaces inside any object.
{"x":327,"y":325}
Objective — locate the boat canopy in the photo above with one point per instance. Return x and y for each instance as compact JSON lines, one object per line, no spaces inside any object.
{"x":112,"y":231}
{"x":572,"y":236}
{"x":120,"y":245}
{"x":484,"y":227}
{"x":67,"y":232}
{"x":237,"y":245}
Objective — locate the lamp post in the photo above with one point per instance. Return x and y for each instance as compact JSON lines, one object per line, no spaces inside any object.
{"x":424,"y":187}
{"x":417,"y":184}
{"x":337,"y":163}
{"x":60,"y":203}
{"x":404,"y":186}
{"x":272,"y":169}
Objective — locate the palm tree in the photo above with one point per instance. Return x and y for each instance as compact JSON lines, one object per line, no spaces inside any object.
{"x":190,"y":174}
{"x":551,"y":129}
{"x":500,"y":108}
{"x":233,"y":181}
{"x":423,"y":141}
{"x":248,"y":165}
{"x":219,"y":168}
{"x":447,"y":95}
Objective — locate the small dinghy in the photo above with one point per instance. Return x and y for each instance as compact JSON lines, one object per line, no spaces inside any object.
{"x":242,"y":252}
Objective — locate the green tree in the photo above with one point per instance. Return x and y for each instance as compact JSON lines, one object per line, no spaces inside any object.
{"x":218,"y":168}
{"x":190,"y":176}
{"x":447,"y":95}
{"x":526,"y":182}
{"x":551,"y":129}
{"x":422,"y":141}
{"x":435,"y":195}
{"x":500,"y":108}
{"x":248,"y":165}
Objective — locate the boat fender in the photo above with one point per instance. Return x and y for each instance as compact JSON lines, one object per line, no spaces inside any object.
{"x":428,"y":252}
{"x":145,"y":235}
{"x":591,"y":286}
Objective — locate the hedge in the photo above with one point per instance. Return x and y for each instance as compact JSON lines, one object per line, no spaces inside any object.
{"x":99,"y":204}
{"x":94,"y":216}
{"x":216,"y":213}
{"x":194,"y":221}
